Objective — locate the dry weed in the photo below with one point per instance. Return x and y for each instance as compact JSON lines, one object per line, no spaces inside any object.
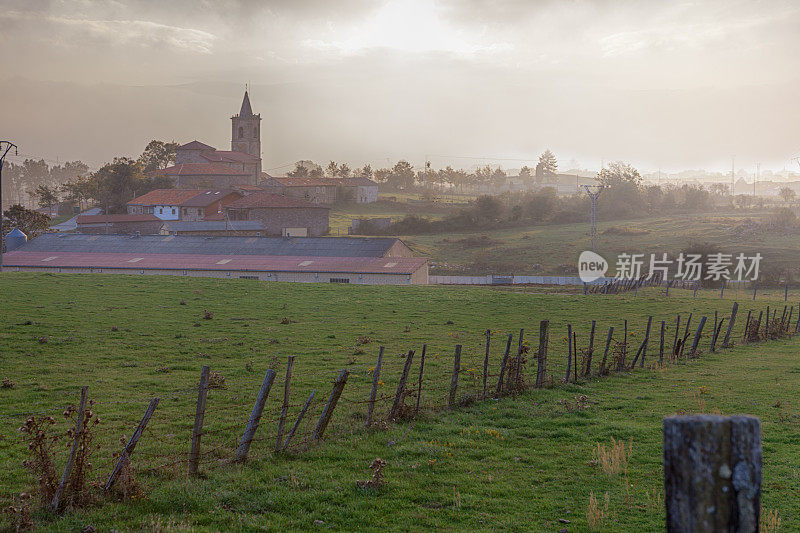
{"x":596,"y":515}
{"x":614,"y":459}
{"x":376,"y":481}
{"x":770,"y":521}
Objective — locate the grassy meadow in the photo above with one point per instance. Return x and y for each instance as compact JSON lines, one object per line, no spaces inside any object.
{"x":515,"y":463}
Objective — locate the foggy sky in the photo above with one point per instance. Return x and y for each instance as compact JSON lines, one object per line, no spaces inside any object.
{"x":661,"y":84}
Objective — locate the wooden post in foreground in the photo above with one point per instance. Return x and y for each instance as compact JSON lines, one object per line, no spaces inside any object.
{"x":327,"y":413}
{"x":297,"y":422}
{"x":697,"y":335}
{"x":401,"y":387}
{"x":74,"y":451}
{"x":421,"y":371}
{"x":373,"y":394}
{"x":255,"y":416}
{"x":199,"y":415}
{"x":126,"y":453}
{"x":712,"y":473}
{"x":727,"y":338}
{"x":451,"y":402}
{"x":541,"y":370}
{"x":605,"y":352}
{"x":285,"y":407}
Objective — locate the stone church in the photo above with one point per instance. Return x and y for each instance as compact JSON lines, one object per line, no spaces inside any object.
{"x":200,"y":166}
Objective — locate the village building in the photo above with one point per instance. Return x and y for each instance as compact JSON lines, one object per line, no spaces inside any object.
{"x":182,"y":204}
{"x":281,"y":215}
{"x":124,"y":223}
{"x":324,"y":191}
{"x":378,"y":261}
{"x":199,"y":165}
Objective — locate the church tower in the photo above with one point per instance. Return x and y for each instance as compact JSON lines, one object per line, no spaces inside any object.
{"x":246,"y":130}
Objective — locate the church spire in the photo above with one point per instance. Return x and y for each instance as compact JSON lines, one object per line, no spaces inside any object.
{"x":246,"y":110}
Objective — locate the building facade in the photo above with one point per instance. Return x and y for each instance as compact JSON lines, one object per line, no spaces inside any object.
{"x":281,"y":215}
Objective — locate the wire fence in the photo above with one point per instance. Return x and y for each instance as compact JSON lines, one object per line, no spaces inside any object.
{"x":401,"y":389}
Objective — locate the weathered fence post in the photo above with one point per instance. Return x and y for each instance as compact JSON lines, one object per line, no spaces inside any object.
{"x":712,"y":473}
{"x":697,"y":335}
{"x":199,"y":415}
{"x":401,"y":387}
{"x":646,"y":340}
{"x":575,"y":356}
{"x":766,"y":325}
{"x":285,"y":406}
{"x":745,"y":337}
{"x":722,"y":290}
{"x":74,"y":451}
{"x":541,"y":370}
{"x":373,"y":394}
{"x":588,"y":369}
{"x":126,"y":453}
{"x":624,"y":347}
{"x":675,"y":347}
{"x":518,"y":370}
{"x":797,"y":326}
{"x":661,"y":349}
{"x":716,"y":335}
{"x":789,"y":320}
{"x":605,"y":352}
{"x":503,"y":365}
{"x":667,"y":295}
{"x":255,"y":416}
{"x":486,"y":362}
{"x":755,"y":289}
{"x":299,"y":419}
{"x":694,"y":293}
{"x":686,"y":333}
{"x":327,"y":413}
{"x":730,"y":325}
{"x":451,"y":402}
{"x":569,"y":352}
{"x":786,"y":292}
{"x":421,"y":373}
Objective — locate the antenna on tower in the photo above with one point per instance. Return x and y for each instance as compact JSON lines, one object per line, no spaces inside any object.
{"x":593,"y":191}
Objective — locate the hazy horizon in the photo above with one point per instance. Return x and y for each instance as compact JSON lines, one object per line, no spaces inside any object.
{"x":674,"y":86}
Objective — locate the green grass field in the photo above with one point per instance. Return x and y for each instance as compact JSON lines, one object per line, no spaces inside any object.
{"x":517,"y":464}
{"x":517,"y":250}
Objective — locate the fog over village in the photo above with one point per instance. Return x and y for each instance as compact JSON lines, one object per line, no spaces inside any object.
{"x":408,"y":265}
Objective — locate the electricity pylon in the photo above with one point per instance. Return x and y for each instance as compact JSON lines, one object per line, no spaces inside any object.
{"x":594,"y":191}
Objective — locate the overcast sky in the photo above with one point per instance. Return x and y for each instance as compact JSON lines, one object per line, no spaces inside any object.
{"x":673,"y":85}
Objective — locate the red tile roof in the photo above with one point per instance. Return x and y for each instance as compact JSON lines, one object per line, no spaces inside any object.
{"x":206,"y":198}
{"x":200,"y":169}
{"x":166,"y":197}
{"x":196,"y":145}
{"x":268,"y":199}
{"x":123,"y":217}
{"x":229,"y":156}
{"x":309,"y":182}
{"x":262,"y":263}
{"x":364,"y":182}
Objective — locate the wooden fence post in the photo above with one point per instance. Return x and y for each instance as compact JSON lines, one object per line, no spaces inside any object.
{"x":588,"y":369}
{"x":486,"y":362}
{"x":661,"y":346}
{"x":575,"y":357}
{"x":697,"y":335}
{"x":451,"y":403}
{"x":401,"y":387}
{"x":624,"y":347}
{"x":797,"y":326}
{"x":285,"y":407}
{"x":646,"y":340}
{"x":686,"y":333}
{"x":786,"y":292}
{"x":569,"y":352}
{"x":755,"y":289}
{"x":747,"y":326}
{"x":675,"y":347}
{"x":74,"y":451}
{"x":327,"y":413}
{"x":518,"y":370}
{"x":373,"y":394}
{"x":199,"y":415}
{"x":541,"y":370}
{"x":255,"y":416}
{"x":503,"y":365}
{"x":297,"y":422}
{"x":421,"y":371}
{"x":766,"y":325}
{"x":712,"y":473}
{"x":605,"y":352}
{"x":126,"y":453}
{"x":727,"y":338}
{"x":716,"y":335}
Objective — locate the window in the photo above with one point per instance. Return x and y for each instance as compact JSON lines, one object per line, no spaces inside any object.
{"x":149,"y":210}
{"x":173,"y":210}
{"x":241,"y":132}
{"x":248,"y":277}
{"x":340,"y":280}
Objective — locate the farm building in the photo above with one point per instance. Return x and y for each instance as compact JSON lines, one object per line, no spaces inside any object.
{"x":123,"y":223}
{"x":325,"y":190}
{"x":182,"y":204}
{"x":281,"y":215}
{"x":374,"y":261}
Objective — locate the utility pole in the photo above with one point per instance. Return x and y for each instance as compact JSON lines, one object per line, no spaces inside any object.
{"x":5,"y":146}
{"x":593,"y":191}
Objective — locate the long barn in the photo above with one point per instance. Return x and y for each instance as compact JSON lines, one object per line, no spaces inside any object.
{"x":373,"y":261}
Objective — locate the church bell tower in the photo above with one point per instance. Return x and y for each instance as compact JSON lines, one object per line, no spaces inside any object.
{"x":246,"y":130}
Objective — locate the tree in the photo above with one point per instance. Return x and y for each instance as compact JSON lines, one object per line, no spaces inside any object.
{"x":364,"y":172}
{"x":121,"y":181}
{"x":401,"y":176}
{"x":548,"y":165}
{"x":489,"y":208}
{"x":332,"y":169}
{"x":46,"y":195}
{"x":344,"y":171}
{"x":625,"y":194}
{"x":28,"y":221}
{"x":525,"y":174}
{"x":158,"y":155}
{"x":787,"y":193}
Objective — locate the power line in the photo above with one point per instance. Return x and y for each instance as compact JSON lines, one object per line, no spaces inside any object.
{"x":8,"y":145}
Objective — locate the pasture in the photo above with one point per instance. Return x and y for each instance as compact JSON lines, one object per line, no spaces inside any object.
{"x":513,"y":463}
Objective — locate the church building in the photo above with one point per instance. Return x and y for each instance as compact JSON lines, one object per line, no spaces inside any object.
{"x":198,"y":165}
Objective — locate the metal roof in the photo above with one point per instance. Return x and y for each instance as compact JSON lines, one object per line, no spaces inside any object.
{"x":260,"y":263}
{"x":196,"y":244}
